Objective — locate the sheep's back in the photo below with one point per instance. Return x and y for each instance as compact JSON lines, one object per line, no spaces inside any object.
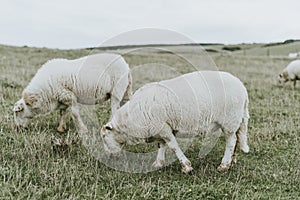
{"x":90,"y":76}
{"x":293,"y":68}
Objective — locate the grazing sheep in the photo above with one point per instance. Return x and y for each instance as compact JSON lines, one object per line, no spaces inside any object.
{"x":187,"y":106}
{"x":61,"y":83}
{"x":293,"y":55}
{"x":290,"y":73}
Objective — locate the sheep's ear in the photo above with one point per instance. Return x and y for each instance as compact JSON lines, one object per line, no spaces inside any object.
{"x":107,"y":127}
{"x":29,"y":99}
{"x":280,"y":75}
{"x":18,"y":107}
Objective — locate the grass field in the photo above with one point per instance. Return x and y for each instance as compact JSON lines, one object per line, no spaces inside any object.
{"x":31,"y":167}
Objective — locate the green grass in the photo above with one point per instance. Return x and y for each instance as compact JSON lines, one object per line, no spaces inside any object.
{"x":31,"y":167}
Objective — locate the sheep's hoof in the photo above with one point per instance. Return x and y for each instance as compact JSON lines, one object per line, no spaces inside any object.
{"x":60,"y":129}
{"x":158,"y":164}
{"x":233,"y":160}
{"x":186,"y":167}
{"x":245,"y":148}
{"x":223,"y":168}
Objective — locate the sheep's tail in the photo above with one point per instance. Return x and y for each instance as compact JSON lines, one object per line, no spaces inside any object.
{"x":242,"y":131}
{"x":128,"y":92}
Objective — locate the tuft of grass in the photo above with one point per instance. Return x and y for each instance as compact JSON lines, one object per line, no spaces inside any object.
{"x":39,"y":163}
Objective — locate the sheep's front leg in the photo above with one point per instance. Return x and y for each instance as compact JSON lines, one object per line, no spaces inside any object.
{"x":173,"y":145}
{"x":295,"y":81}
{"x":62,"y":124}
{"x":115,"y":104}
{"x":160,"y":159}
{"x":82,"y":129}
{"x":229,"y":155}
{"x":68,"y":98}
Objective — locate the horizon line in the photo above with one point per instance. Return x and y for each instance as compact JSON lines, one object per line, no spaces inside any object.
{"x":123,"y":46}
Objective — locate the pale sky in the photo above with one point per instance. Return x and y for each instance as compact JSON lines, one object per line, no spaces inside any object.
{"x":89,"y":23}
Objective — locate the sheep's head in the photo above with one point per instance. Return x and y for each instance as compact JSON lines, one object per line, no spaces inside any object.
{"x":22,"y":114}
{"x":283,"y":77}
{"x":24,"y":110}
{"x":110,"y":140}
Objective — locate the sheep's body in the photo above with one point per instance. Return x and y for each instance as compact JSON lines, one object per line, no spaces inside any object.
{"x":92,"y":79}
{"x":290,"y":73}
{"x":186,"y":106}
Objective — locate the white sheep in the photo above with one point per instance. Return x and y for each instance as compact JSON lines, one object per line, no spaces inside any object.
{"x":290,"y":73}
{"x":186,"y":106}
{"x":293,"y":55}
{"x":61,"y":83}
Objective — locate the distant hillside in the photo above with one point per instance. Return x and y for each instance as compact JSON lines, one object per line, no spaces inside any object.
{"x":272,"y":49}
{"x":255,"y":49}
{"x":151,"y":45}
{"x":281,"y":49}
{"x":281,"y":43}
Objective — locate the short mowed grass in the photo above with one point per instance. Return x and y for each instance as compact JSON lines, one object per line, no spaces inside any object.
{"x":32,"y":167}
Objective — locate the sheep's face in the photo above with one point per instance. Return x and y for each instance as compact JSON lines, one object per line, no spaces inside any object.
{"x":282,"y":77}
{"x":110,"y":140}
{"x":22,"y":114}
{"x":26,"y":108}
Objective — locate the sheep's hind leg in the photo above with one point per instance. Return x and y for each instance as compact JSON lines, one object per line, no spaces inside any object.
{"x":160,"y":159}
{"x":242,"y":136}
{"x":229,"y":154}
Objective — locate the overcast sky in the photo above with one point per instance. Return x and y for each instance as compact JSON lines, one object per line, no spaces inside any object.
{"x":88,"y":23}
